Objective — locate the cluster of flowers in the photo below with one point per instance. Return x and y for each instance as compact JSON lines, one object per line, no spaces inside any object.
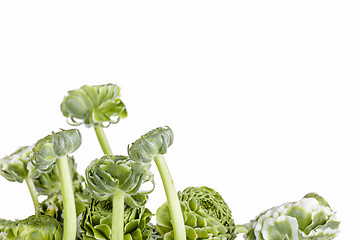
{"x":109,"y":202}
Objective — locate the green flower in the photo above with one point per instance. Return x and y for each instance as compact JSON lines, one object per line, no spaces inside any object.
{"x":94,"y":105}
{"x":48,"y":183}
{"x":56,"y":145}
{"x":34,"y":227}
{"x":56,"y":148}
{"x":96,"y":222}
{"x":150,"y":145}
{"x":206,"y":215}
{"x":111,"y":173}
{"x":309,"y":218}
{"x":16,"y":167}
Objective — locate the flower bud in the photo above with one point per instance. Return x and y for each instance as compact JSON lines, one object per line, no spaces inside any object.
{"x":56,"y":145}
{"x":16,"y":167}
{"x":151,"y":144}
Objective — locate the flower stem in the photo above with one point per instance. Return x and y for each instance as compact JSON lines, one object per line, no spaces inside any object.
{"x":33,"y":193}
{"x":117,"y":229}
{"x":103,"y":140}
{"x":172,"y":198}
{"x":68,"y":199}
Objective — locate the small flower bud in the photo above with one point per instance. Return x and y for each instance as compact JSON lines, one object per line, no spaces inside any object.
{"x":47,"y":150}
{"x":151,"y":144}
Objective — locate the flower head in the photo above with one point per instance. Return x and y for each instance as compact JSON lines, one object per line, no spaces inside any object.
{"x":151,"y":144}
{"x":97,"y":220}
{"x":17,"y":166}
{"x":205,"y":212}
{"x":56,"y":145}
{"x":309,"y":218}
{"x":33,"y":227}
{"x":113,"y":173}
{"x":97,"y":105}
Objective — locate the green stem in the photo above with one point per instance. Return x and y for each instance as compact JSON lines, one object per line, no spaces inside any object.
{"x":117,"y":227}
{"x":172,"y":198}
{"x":103,"y":140}
{"x":33,"y":193}
{"x":68,"y":199}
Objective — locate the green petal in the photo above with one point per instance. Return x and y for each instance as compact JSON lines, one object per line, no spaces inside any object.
{"x":94,"y":105}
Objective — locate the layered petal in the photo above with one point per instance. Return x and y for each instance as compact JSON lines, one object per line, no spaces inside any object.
{"x":310,"y":218}
{"x":98,"y":105}
{"x":97,"y":219}
{"x":110,"y":174}
{"x":205,"y":213}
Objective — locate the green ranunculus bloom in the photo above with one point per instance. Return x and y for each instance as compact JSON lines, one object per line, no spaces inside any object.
{"x":94,"y":105}
{"x":151,"y":144}
{"x":56,"y":145}
{"x":17,"y":166}
{"x":113,"y":173}
{"x":34,"y":227}
{"x":97,"y":219}
{"x":310,"y":218}
{"x":205,"y":212}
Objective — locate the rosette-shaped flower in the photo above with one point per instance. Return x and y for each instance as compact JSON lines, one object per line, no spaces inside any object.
{"x":94,"y":105}
{"x":49,"y":183}
{"x":206,"y":215}
{"x":34,"y":227}
{"x":57,"y":145}
{"x":113,"y":173}
{"x":16,"y":167}
{"x":96,"y":222}
{"x":118,"y":178}
{"x":150,"y":145}
{"x":309,"y":218}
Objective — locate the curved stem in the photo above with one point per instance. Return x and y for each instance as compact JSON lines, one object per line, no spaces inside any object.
{"x":33,"y":193}
{"x":103,"y":140}
{"x":172,"y":198}
{"x":117,"y":229}
{"x":68,"y":199}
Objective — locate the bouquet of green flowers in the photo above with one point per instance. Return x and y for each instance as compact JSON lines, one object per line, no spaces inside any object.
{"x":109,"y":201}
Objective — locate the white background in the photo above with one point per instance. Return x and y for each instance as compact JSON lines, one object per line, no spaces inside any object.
{"x":263,"y":96}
